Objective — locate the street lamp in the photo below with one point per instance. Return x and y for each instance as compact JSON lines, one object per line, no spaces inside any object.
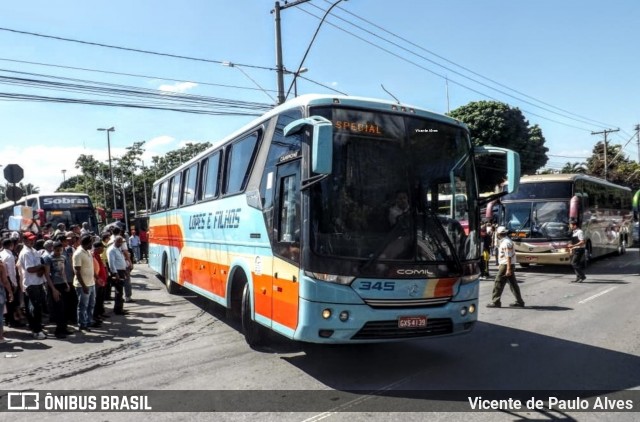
{"x":144,"y":181}
{"x":295,"y":78}
{"x":64,"y":178}
{"x":230,"y":64}
{"x":113,"y":187}
{"x":308,"y":47}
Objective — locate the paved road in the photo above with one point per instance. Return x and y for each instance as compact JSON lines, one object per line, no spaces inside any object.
{"x":578,"y":337}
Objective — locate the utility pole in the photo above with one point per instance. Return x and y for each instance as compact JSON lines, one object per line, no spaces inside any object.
{"x":637,"y":128}
{"x":279,"y":65}
{"x":605,"y":132}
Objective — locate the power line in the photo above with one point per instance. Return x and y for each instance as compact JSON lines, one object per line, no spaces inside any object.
{"x":452,"y":80}
{"x":135,"y":75}
{"x":456,"y":72}
{"x":453,"y":63}
{"x":135,"y":50}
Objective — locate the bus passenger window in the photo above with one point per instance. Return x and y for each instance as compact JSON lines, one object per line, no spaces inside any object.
{"x":164,"y":193}
{"x":189,"y":190}
{"x":238,"y":161}
{"x":210,"y":177}
{"x":175,"y":191}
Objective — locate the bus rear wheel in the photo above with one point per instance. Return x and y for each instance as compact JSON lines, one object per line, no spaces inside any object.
{"x":254,"y":333}
{"x":172,"y":287}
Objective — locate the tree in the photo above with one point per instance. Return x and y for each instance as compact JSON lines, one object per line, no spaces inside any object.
{"x":576,"y":167}
{"x":130,"y":177}
{"x":498,"y":124}
{"x":620,"y":169}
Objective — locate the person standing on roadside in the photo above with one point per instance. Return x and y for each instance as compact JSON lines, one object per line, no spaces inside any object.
{"x":84,"y":282}
{"x":7,"y":257}
{"x":577,"y":251}
{"x":33,"y":283}
{"x":118,"y":270}
{"x":6,"y":296}
{"x":101,"y":280}
{"x":506,"y":271}
{"x":57,"y":262}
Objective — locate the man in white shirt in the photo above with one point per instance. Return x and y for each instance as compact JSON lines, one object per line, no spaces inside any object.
{"x":506,"y":271}
{"x":118,"y":271}
{"x":127,"y":256}
{"x":33,"y":284}
{"x":9,"y":260}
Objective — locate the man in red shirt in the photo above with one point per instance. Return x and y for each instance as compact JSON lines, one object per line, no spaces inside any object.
{"x":144,"y":244}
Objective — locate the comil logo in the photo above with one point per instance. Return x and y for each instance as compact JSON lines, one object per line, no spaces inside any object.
{"x":23,"y":401}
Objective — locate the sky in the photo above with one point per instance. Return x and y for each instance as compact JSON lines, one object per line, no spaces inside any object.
{"x":571,"y":66}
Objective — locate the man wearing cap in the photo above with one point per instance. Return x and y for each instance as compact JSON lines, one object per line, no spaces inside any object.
{"x":576,"y":248}
{"x":84,"y":282}
{"x":506,"y":273}
{"x":33,"y":283}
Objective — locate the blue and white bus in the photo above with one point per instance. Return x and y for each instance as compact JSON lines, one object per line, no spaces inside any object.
{"x":286,"y":222}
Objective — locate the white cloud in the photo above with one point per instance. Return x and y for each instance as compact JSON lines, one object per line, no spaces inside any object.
{"x":43,"y":164}
{"x":178,"y":87}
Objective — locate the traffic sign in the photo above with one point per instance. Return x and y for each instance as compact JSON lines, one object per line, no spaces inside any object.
{"x":13,"y":173}
{"x":13,"y":193}
{"x":117,"y":214}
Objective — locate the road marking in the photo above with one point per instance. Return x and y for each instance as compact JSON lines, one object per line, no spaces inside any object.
{"x":598,"y":295}
{"x":369,"y":396}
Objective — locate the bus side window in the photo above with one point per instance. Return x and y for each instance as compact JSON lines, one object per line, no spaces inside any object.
{"x":209,"y":177}
{"x":164,"y":190}
{"x":239,"y":158}
{"x":175,"y":191}
{"x":189,"y":188}
{"x":154,"y":198}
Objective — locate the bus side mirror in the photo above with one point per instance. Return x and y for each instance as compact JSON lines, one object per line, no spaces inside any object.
{"x":512,"y":163}
{"x":321,"y":144}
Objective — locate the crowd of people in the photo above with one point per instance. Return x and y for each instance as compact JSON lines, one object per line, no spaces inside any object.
{"x":65,"y":277}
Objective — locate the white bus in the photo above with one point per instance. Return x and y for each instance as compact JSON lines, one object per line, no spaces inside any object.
{"x":537,"y":216}
{"x":60,"y":207}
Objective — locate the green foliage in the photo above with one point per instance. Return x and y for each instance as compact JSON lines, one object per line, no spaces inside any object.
{"x":129,"y":175}
{"x":498,"y":124}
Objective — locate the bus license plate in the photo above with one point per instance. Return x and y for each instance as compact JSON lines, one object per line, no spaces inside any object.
{"x":531,"y":258}
{"x":412,"y":322}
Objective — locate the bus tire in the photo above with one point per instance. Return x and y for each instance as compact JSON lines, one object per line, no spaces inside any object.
{"x":254,"y":334}
{"x":172,"y":287}
{"x":524,"y":264}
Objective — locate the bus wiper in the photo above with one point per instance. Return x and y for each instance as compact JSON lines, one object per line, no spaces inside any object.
{"x":307,"y":183}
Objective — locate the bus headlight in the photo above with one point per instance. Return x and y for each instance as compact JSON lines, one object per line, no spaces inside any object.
{"x":331,"y":278}
{"x":326,"y":313}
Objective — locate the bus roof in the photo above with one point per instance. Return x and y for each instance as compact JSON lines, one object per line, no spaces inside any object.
{"x":567,"y":177}
{"x":314,"y":100}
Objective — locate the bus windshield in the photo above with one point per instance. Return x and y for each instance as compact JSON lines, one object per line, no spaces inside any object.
{"x":548,"y":220}
{"x":384,"y":198}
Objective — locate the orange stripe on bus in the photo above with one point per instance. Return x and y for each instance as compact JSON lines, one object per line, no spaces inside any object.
{"x":274,"y":298}
{"x":207,"y":275}
{"x":168,"y":235}
{"x":444,"y":287}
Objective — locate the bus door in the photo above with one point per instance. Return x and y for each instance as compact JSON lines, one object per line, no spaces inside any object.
{"x":286,"y":261}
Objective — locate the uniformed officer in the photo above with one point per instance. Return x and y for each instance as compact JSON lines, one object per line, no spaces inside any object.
{"x":506,"y":271}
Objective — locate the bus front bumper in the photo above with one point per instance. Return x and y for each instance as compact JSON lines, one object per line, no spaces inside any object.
{"x":359,"y":323}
